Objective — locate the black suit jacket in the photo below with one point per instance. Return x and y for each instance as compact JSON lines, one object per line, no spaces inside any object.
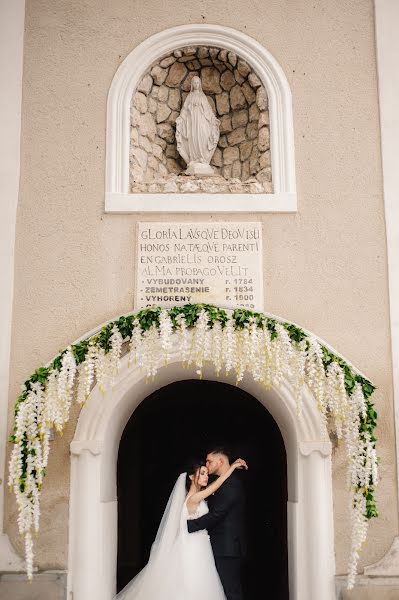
{"x":225,"y":520}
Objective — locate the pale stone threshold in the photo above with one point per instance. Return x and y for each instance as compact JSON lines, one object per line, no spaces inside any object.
{"x":46,"y":585}
{"x":368,"y":588}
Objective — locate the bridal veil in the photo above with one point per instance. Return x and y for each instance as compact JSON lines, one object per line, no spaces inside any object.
{"x":158,"y":578}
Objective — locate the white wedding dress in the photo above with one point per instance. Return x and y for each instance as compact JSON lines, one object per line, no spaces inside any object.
{"x":181,"y":564}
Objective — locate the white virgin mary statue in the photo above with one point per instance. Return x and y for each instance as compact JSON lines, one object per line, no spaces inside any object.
{"x":197,"y":131}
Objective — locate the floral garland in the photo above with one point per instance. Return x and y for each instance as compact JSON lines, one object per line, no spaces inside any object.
{"x":241,"y":341}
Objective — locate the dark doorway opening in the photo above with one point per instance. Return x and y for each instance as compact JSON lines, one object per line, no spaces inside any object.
{"x":177,"y":422}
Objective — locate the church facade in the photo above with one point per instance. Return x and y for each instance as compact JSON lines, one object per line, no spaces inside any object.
{"x":286,"y":114}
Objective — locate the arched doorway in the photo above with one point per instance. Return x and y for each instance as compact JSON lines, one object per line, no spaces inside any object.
{"x":92,"y":560}
{"x":182,"y":420}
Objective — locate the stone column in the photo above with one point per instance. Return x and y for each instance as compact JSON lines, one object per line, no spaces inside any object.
{"x":315,"y":540}
{"x":93,"y":543}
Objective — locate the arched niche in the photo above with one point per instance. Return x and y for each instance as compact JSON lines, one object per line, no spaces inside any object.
{"x":93,"y":503}
{"x":124,"y":84}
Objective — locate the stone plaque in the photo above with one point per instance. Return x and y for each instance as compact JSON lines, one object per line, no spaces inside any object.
{"x":188,"y":263}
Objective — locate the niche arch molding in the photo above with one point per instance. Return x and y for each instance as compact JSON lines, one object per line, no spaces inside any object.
{"x":126,"y":79}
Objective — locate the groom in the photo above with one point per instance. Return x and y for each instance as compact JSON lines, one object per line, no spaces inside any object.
{"x":225,"y":524}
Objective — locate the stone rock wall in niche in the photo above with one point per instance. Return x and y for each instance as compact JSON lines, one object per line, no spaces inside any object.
{"x":242,"y":160}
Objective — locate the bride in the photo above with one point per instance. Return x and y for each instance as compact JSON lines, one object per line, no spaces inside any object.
{"x":181,"y":565}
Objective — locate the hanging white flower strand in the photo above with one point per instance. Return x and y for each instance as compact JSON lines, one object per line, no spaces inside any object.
{"x":243,"y":352}
{"x":359,"y":527}
{"x":217,"y":347}
{"x":362,"y":473}
{"x":116,"y":341}
{"x":267,"y":357}
{"x":53,"y":411}
{"x":102,"y":369}
{"x":136,"y":341}
{"x":255,"y":352}
{"x":229,"y":344}
{"x":243,"y":342}
{"x":336,"y":396}
{"x":165,"y":334}
{"x":65,"y":380}
{"x":150,"y":352}
{"x":26,"y":467}
{"x":199,"y":348}
{"x":315,"y":374}
{"x":87,"y":373}
{"x":184,"y":339}
{"x":298,"y":363}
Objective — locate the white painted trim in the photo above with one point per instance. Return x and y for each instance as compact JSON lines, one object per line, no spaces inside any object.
{"x":387,"y":45}
{"x":93,"y":501}
{"x":266,"y":67}
{"x":214,"y":203}
{"x":387,"y":42}
{"x":12,"y":17}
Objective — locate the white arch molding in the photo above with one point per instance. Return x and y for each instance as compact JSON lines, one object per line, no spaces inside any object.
{"x":93,"y":503}
{"x":125,"y":81}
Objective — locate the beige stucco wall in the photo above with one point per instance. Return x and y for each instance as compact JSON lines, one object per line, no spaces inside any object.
{"x":325,"y":267}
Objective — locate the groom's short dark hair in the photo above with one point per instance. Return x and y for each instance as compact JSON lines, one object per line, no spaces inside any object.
{"x":225,"y":450}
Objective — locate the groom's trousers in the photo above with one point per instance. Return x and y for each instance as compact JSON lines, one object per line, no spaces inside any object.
{"x":229,"y":569}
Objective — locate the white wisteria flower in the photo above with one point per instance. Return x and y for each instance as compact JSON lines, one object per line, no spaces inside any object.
{"x":136,"y":341}
{"x":184,"y":338}
{"x":217,"y":347}
{"x":165,"y":334}
{"x":298,"y":363}
{"x":229,"y":345}
{"x":315,"y":373}
{"x":87,"y":373}
{"x":200,"y":345}
{"x":248,"y":344}
{"x":65,"y":380}
{"x":116,"y":341}
{"x":336,"y":397}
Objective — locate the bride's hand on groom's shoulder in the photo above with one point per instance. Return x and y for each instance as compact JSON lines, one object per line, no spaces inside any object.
{"x":240,"y":464}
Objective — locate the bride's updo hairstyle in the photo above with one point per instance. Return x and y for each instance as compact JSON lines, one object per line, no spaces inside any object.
{"x":193,"y":467}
